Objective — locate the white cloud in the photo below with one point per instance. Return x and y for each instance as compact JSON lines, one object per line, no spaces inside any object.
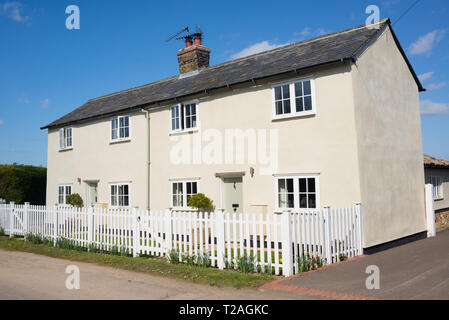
{"x":24,"y":99}
{"x":14,"y":11}
{"x":436,"y":86}
{"x":426,"y":43}
{"x":2,"y":122}
{"x":432,"y":108}
{"x":256,"y":48}
{"x":45,"y":103}
{"x":425,"y":76}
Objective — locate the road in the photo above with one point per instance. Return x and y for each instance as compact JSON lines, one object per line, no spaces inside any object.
{"x":418,"y":270}
{"x":31,"y":276}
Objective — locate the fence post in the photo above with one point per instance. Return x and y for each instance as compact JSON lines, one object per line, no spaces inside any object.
{"x":430,"y":211}
{"x":358,"y":215}
{"x":11,"y":219}
{"x":55,"y":224}
{"x":136,"y":233}
{"x":327,"y":234}
{"x":221,"y":238}
{"x":287,"y":253}
{"x":90,"y":226}
{"x":25,"y":217}
{"x":168,"y":230}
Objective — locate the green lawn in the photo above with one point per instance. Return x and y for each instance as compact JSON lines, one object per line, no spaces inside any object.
{"x":154,"y":266}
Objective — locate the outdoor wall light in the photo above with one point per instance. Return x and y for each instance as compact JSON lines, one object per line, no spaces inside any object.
{"x":251,"y":171}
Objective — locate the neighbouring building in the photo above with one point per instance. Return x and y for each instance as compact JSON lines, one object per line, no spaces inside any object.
{"x":330,"y":121}
{"x":437,"y":173}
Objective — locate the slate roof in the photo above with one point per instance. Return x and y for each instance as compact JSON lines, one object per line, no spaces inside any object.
{"x":431,"y":162}
{"x":332,"y":48}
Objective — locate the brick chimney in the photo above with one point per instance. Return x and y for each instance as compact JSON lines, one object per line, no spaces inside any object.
{"x":193,"y":57}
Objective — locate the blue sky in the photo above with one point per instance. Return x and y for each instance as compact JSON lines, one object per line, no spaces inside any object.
{"x":47,"y":70}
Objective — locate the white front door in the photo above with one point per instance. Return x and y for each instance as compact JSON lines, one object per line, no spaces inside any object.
{"x":92,"y":194}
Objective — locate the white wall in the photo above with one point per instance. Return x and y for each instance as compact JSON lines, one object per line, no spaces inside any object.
{"x":389,"y":144}
{"x":94,"y":158}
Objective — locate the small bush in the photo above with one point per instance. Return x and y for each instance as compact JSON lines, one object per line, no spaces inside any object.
{"x":2,"y":232}
{"x":246,"y":263}
{"x":74,"y":200}
{"x":34,"y":238}
{"x":307,"y":263}
{"x":201,"y":202}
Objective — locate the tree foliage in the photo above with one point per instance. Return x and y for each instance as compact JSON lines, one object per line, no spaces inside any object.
{"x":21,"y":183}
{"x":201,"y":202}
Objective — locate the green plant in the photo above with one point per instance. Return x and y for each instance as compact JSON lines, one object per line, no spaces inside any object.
{"x":34,"y":238}
{"x":92,"y":248}
{"x":246,"y":264}
{"x":173,"y":256}
{"x":201,"y":202}
{"x":188,"y":259}
{"x":342,"y":257}
{"x":74,"y":200}
{"x":307,"y":263}
{"x":114,"y":250}
{"x":229,"y":265}
{"x":2,"y":232}
{"x":203,"y":260}
{"x":124,"y":252}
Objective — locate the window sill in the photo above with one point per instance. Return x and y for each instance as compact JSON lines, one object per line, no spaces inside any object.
{"x":438,"y":199}
{"x":174,"y":133}
{"x":66,"y":149}
{"x":119,"y":141}
{"x":295,"y":115}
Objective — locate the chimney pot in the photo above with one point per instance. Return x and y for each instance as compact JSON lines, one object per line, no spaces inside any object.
{"x":197,"y":41}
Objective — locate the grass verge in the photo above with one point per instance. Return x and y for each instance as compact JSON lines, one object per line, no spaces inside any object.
{"x":154,"y":266}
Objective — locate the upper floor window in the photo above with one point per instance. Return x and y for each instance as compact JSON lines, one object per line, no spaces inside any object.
{"x":297,"y":192}
{"x":65,"y":138}
{"x":182,"y":191}
{"x":184,"y":116}
{"x":437,"y":188}
{"x":295,"y":98}
{"x":63,"y":192}
{"x":120,"y":128}
{"x":120,"y":195}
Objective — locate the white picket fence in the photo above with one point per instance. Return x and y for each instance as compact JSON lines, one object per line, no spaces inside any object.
{"x":277,"y":242}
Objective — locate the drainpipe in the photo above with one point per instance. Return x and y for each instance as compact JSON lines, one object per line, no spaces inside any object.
{"x":147,"y":162}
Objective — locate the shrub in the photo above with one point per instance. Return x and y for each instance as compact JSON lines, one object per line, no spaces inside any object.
{"x":307,"y":263}
{"x":2,"y":232}
{"x":201,"y":202}
{"x":74,"y":200}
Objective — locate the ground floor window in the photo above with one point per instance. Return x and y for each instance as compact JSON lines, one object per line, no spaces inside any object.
{"x":181,"y":191}
{"x":437,"y":189}
{"x":120,"y":195}
{"x":297,"y":192}
{"x":63,"y":192}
